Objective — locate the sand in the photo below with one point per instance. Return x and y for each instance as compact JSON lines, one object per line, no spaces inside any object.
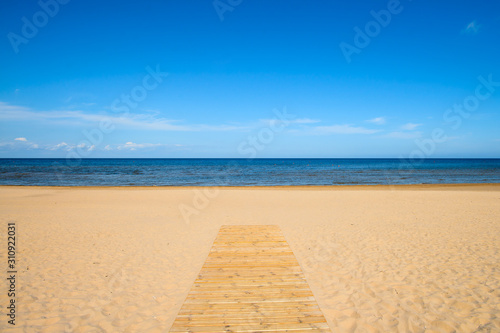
{"x":377,"y":258}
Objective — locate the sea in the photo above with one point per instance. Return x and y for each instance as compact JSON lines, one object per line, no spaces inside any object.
{"x":244,"y":172}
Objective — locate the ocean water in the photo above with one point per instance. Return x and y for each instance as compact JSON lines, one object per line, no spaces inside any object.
{"x":245,"y":172}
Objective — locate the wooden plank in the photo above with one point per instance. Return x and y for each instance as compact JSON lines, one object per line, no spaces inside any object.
{"x":189,"y":308}
{"x":193,"y":327}
{"x":273,"y":313}
{"x":250,"y":282}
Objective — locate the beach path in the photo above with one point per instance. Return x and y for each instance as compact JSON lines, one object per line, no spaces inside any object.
{"x":250,"y":282}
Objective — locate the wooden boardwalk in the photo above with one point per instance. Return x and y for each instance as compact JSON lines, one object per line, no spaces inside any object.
{"x":250,"y":282}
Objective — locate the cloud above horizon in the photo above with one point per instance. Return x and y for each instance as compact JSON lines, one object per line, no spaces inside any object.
{"x":134,"y":146}
{"x":82,"y":147}
{"x":378,"y":121}
{"x":403,"y":135}
{"x":410,"y":126}
{"x":472,"y":28}
{"x":138,"y":121}
{"x":344,"y":129}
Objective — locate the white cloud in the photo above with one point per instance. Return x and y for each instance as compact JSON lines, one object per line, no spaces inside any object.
{"x":410,"y":126}
{"x":344,"y":129}
{"x":65,"y":147}
{"x":404,"y":135}
{"x":62,"y":145}
{"x":134,"y":146}
{"x":472,"y":28}
{"x":377,"y":121}
{"x":19,"y":143}
{"x":278,"y":122}
{"x":68,"y":147}
{"x":305,"y":121}
{"x":131,"y":121}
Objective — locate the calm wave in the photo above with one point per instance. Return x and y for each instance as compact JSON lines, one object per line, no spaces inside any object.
{"x":243,"y":172}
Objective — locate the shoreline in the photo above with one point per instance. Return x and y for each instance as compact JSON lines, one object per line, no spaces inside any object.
{"x":449,"y":186}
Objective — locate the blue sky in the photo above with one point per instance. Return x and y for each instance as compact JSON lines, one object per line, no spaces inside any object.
{"x":209,"y":78}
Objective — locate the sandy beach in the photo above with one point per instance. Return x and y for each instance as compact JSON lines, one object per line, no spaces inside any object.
{"x":423,"y":258}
